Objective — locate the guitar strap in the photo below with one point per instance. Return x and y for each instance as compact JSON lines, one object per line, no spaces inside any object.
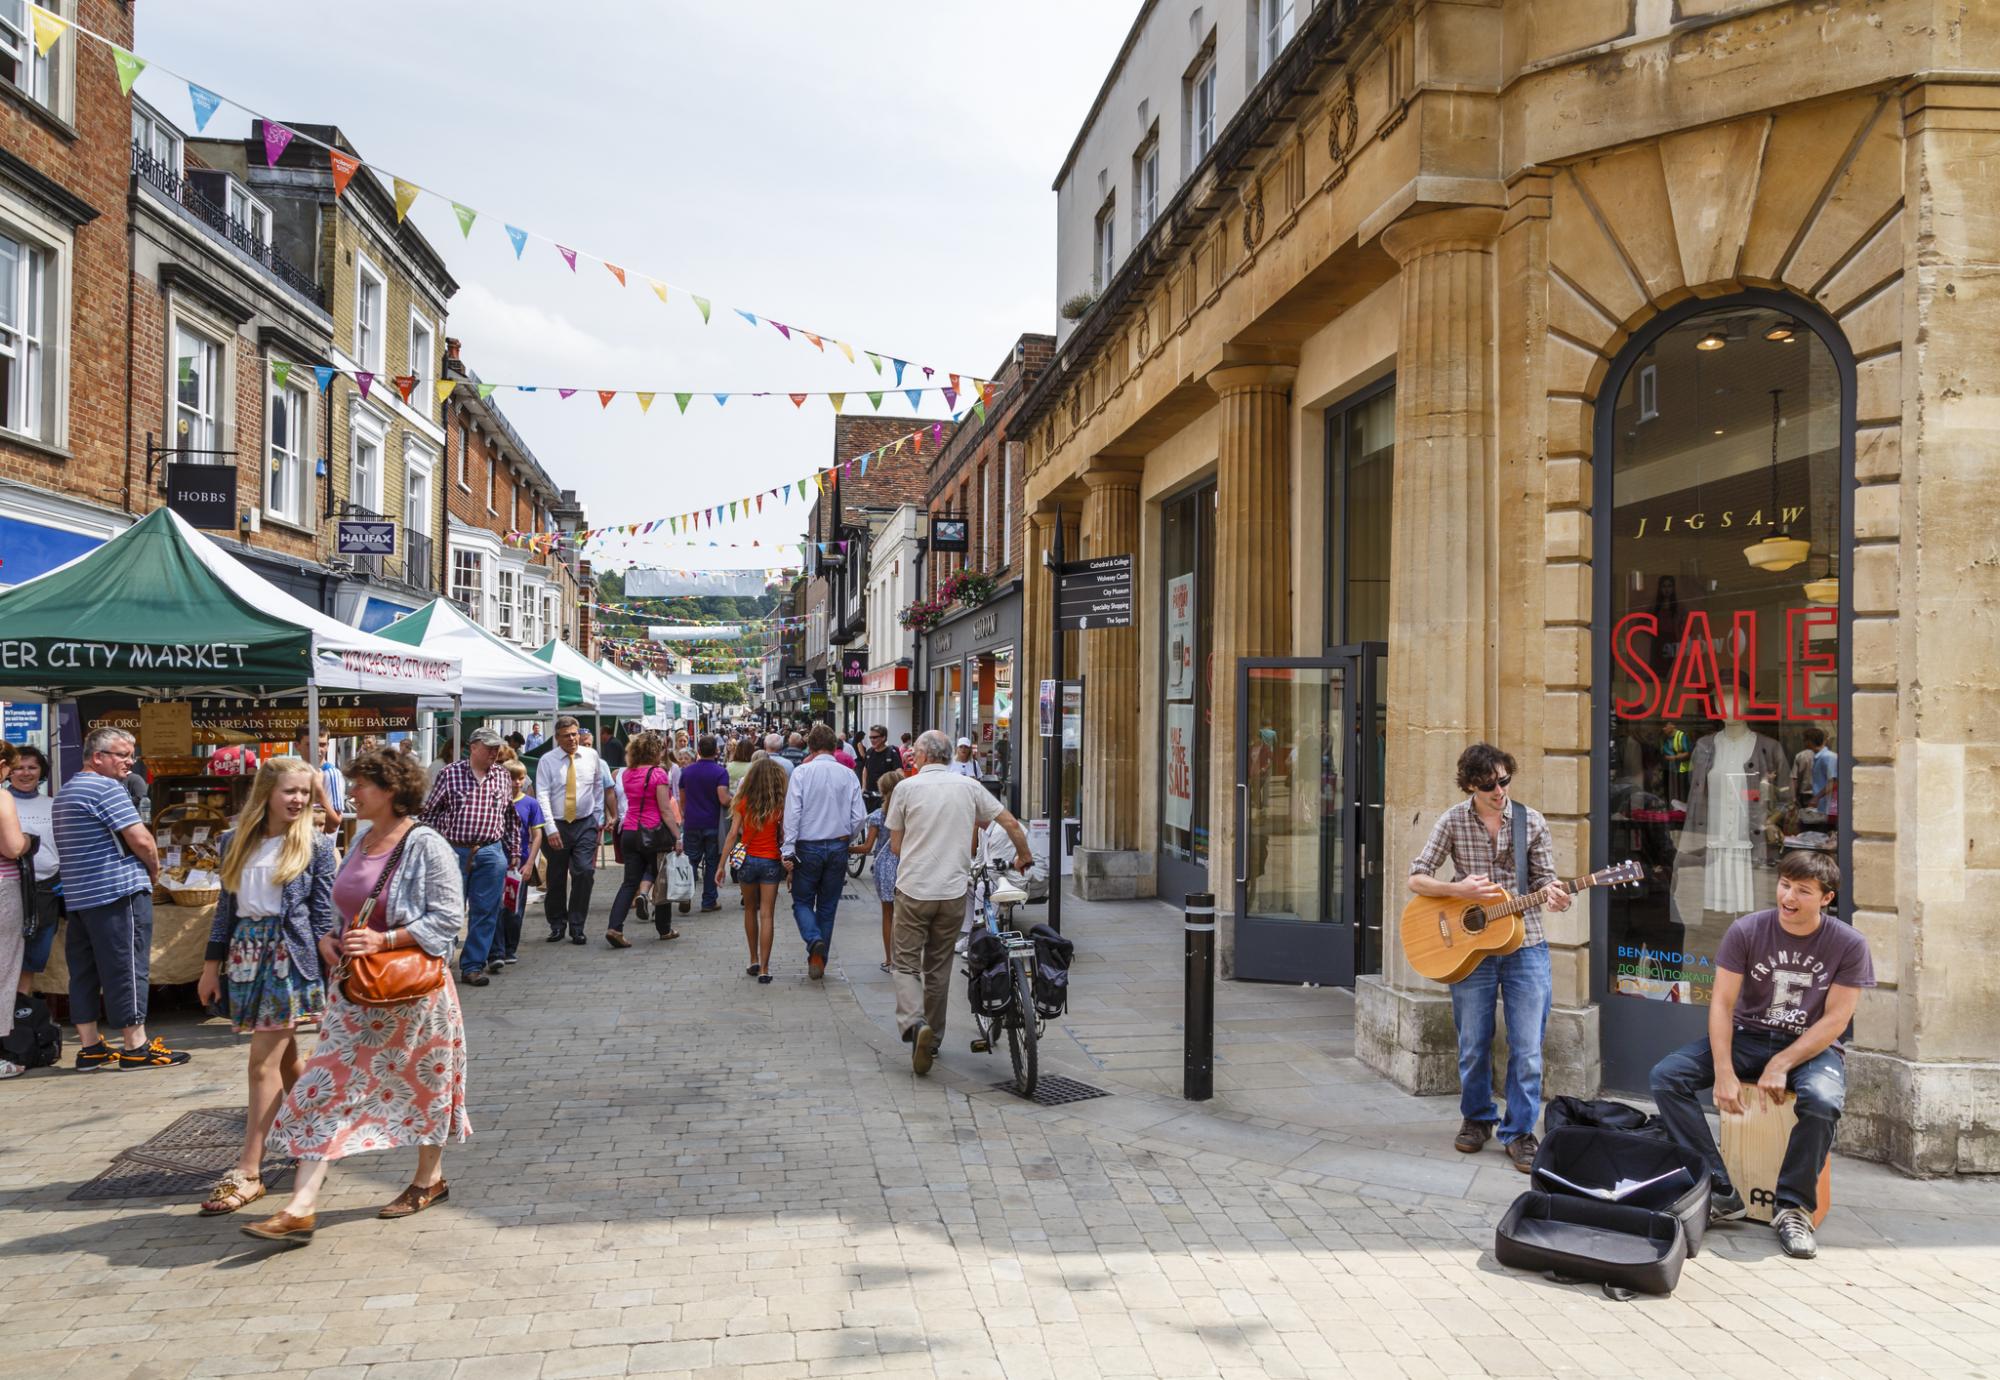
{"x":1520,"y":849}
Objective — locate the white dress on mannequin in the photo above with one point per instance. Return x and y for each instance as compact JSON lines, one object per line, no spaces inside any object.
{"x":1727,"y":884}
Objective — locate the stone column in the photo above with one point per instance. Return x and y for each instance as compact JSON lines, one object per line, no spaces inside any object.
{"x":1443,"y":598}
{"x":1039,"y":662}
{"x":1253,"y":581}
{"x":1110,"y":864}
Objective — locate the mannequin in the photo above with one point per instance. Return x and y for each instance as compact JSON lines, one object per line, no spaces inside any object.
{"x":1731,"y":785}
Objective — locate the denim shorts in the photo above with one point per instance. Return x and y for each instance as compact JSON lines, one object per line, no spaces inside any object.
{"x":765,"y":871}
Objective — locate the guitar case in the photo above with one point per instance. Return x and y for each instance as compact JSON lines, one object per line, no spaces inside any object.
{"x":1620,"y":1247}
{"x":1599,"y":1156}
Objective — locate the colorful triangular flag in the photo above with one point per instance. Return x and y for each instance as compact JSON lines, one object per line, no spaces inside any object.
{"x":345,"y":165}
{"x":569,"y":257}
{"x":276,"y":139}
{"x":721,"y":399}
{"x":839,"y":400}
{"x":486,"y":390}
{"x":900,"y":366}
{"x":798,"y":399}
{"x":702,"y":302}
{"x":747,"y":316}
{"x":406,"y":197}
{"x":130,"y":65}
{"x":916,"y":397}
{"x":48,"y":28}
{"x":875,"y":399}
{"x":783,"y":330}
{"x":951,"y":396}
{"x":466,"y":215}
{"x":682,"y":399}
{"x":659,"y":289}
{"x":405,"y":384}
{"x":617,"y":273}
{"x":605,"y":395}
{"x":280,"y":371}
{"x":645,"y":401}
{"x":323,"y":375}
{"x":979,"y":410}
{"x":443,"y":388}
{"x":364,"y":382}
{"x":205,"y":103}
{"x":519,"y":237}
{"x":565,"y":393}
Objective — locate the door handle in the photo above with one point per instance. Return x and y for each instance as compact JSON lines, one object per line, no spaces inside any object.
{"x":1242,"y":828}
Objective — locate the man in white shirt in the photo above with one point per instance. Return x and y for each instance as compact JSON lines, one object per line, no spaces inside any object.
{"x":823,"y":808}
{"x":580,"y":799}
{"x":774,"y":747}
{"x":962,"y":762}
{"x":934,"y":817}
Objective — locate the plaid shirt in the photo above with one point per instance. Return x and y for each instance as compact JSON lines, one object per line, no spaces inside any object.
{"x":1459,"y":835}
{"x":467,"y":810}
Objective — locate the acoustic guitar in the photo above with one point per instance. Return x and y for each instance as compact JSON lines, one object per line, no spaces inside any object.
{"x":1445,"y":937}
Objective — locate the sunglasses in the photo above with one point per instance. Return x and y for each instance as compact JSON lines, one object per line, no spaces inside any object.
{"x":1496,"y":784}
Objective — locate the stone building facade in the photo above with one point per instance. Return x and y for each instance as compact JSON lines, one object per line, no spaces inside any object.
{"x":1573,"y":377}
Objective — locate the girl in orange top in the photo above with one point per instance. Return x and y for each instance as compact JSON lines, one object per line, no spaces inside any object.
{"x":757,"y":817}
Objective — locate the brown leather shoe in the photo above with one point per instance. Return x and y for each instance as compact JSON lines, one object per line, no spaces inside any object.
{"x":617,"y":940}
{"x":1521,"y":1153}
{"x":283,"y":1229}
{"x":1472,"y":1136}
{"x":414,"y":1200}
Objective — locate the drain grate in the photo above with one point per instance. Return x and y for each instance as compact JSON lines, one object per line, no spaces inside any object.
{"x":1051,"y":1091}
{"x":183,"y":1161}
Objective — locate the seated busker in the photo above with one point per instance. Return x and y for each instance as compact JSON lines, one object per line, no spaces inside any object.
{"x":1787,"y":981}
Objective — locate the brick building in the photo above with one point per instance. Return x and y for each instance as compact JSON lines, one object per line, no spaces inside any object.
{"x":214,"y":306}
{"x":67,"y":443}
{"x":494,"y":485}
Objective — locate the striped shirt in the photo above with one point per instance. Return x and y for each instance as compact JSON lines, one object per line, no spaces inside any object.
{"x":89,"y":813}
{"x":1460,"y":835}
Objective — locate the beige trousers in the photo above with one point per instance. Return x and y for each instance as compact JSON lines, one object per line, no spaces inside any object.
{"x":921,"y":937}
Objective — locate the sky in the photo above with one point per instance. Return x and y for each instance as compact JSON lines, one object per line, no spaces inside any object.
{"x":875,"y":172}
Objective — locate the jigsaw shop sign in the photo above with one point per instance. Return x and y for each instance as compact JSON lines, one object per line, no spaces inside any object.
{"x":1699,"y":686}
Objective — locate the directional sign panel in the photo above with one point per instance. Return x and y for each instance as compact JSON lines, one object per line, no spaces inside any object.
{"x":1094,"y":594}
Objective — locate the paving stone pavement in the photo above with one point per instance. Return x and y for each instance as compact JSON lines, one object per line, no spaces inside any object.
{"x":677,"y":1171}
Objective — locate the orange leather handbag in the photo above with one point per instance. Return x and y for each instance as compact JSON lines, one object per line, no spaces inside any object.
{"x":388,"y":977}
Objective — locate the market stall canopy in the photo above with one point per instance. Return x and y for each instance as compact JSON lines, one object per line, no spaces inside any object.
{"x":600,"y":693}
{"x":649,"y":702}
{"x":160,"y":607}
{"x":499,"y":678}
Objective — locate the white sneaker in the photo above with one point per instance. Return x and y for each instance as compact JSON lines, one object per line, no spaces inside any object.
{"x":10,"y":1069}
{"x":959,"y":947}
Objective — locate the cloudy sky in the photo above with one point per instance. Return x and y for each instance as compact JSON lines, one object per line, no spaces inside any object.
{"x":875,"y":172}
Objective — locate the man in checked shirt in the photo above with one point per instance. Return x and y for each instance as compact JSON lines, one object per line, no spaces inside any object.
{"x":1477,"y":834}
{"x":472,"y":804}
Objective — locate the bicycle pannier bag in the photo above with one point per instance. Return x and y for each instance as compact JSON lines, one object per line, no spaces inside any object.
{"x":1584,"y":1239}
{"x":1052,"y":959}
{"x":989,"y":975}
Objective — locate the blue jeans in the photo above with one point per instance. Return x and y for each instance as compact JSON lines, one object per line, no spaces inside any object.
{"x":704,"y":854}
{"x":1521,"y":979}
{"x":485,"y":869}
{"x":1820,"y":1084}
{"x":818,"y":874}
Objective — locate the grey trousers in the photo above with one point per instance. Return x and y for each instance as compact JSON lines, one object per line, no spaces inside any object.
{"x":921,"y":937}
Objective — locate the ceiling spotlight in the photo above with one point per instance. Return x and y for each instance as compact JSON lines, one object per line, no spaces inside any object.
{"x":1714,"y":340}
{"x":1783,"y":331}
{"x":1718,"y":431}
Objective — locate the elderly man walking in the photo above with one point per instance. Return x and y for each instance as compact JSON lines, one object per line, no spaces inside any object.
{"x":472,"y":804}
{"x":579,"y":795}
{"x":933,"y":818}
{"x":110,"y":865}
{"x":822,"y":810}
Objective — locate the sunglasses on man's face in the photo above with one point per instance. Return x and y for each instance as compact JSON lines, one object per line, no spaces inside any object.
{"x":1498,"y":783}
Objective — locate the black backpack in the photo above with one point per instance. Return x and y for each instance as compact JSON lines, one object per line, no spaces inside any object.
{"x":35,"y":1041}
{"x":989,"y":974}
{"x":1053,"y":954}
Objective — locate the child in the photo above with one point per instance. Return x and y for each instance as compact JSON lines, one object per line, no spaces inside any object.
{"x":1786,"y":984}
{"x":528,"y":809}
{"x":877,"y":843}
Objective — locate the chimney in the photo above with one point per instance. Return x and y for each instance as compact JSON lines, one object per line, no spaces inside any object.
{"x":451,"y":347}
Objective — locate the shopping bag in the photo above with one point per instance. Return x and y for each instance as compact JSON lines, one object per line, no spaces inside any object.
{"x":676,"y":880}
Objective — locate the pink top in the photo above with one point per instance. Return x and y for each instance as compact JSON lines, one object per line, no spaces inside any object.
{"x":350,"y":889}
{"x":641,"y":786}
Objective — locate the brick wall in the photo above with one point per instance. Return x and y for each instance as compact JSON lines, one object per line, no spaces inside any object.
{"x":974,"y":474}
{"x":90,"y":162}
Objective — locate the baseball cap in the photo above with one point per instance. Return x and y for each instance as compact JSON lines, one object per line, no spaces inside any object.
{"x":965,"y":742}
{"x":486,"y":737}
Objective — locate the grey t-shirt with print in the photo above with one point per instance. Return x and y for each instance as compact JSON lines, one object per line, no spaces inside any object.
{"x":1786,"y":977}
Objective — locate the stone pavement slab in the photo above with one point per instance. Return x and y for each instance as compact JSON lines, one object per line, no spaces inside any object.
{"x":676,"y":1171}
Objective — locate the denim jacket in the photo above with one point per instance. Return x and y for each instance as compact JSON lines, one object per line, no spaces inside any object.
{"x":306,"y":919}
{"x":427,"y":894}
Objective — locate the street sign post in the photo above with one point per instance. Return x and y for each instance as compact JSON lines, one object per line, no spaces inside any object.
{"x":1094,"y":594}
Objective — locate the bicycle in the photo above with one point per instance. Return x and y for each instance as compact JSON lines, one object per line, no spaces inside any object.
{"x":857,"y":863}
{"x":1012,"y":1009}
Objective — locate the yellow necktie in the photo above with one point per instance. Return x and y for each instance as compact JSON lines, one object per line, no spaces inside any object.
{"x":569,"y":792}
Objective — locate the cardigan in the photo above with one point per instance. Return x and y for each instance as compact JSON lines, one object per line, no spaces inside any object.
{"x":306,"y":919}
{"x":426,"y":896}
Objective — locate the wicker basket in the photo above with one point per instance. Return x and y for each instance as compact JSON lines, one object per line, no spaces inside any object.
{"x":207,"y":896}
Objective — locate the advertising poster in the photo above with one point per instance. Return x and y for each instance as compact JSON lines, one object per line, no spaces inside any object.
{"x":1180,"y":766}
{"x":1180,"y":637}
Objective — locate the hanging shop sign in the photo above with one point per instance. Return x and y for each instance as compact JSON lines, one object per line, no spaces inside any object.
{"x":205,"y":495}
{"x":365,"y":537}
{"x":951,"y":534}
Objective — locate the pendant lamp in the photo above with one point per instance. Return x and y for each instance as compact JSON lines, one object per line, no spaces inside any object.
{"x":1783,"y":551}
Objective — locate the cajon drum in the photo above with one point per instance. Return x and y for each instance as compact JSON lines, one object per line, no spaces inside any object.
{"x":1753,"y":1150}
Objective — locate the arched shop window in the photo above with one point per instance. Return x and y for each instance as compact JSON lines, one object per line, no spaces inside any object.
{"x":1724,"y":501}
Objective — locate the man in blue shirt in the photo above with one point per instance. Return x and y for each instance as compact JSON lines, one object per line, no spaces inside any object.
{"x":110,"y":865}
{"x":823,"y":808}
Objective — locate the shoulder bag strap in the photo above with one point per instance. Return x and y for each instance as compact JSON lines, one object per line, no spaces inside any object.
{"x":367,"y":911}
{"x":1520,"y":849}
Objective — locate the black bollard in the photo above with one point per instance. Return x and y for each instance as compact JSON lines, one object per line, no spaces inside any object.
{"x":1198,"y":1078}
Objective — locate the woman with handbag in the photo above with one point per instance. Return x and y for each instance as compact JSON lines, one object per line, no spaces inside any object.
{"x":263,"y":951}
{"x":390,"y":1067}
{"x":757,"y":823}
{"x":650,"y":830}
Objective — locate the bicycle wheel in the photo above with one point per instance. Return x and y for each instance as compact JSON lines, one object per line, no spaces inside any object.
{"x":857,"y":863}
{"x":1021,"y":1034}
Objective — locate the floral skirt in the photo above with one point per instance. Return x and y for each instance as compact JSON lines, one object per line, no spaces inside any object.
{"x":381,"y":1078}
{"x":266,"y":989}
{"x":885,"y":875}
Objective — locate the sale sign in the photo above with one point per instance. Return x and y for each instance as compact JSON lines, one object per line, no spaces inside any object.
{"x":1180,"y":638}
{"x":1180,"y":766}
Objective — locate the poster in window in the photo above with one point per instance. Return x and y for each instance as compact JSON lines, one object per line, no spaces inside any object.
{"x":1180,"y":637}
{"x":1180,"y":766}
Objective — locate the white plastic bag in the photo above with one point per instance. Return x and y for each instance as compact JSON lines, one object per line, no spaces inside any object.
{"x":676,"y":879}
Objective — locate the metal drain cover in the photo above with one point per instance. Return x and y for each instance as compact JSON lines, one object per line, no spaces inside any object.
{"x":1051,"y":1091}
{"x":183,"y":1161}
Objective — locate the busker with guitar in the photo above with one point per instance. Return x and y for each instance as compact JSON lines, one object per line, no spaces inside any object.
{"x":1479,"y":835}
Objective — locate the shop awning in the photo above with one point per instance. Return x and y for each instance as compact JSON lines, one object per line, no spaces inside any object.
{"x":499,"y":679}
{"x":161,"y":608}
{"x":601,"y":695}
{"x":649,"y":704}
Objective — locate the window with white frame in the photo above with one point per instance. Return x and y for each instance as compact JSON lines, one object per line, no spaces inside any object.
{"x":531,"y":614}
{"x":468,"y":582}
{"x":154,"y":137}
{"x":21,"y":67}
{"x":417,"y":498}
{"x":1145,"y":187}
{"x":1277,"y":20}
{"x":423,"y":347}
{"x":986,"y":533}
{"x":249,"y":212}
{"x":364,"y":475}
{"x":371,"y":296}
{"x":492,"y":468}
{"x":509,"y":587}
{"x":1103,"y":258}
{"x":197,"y":420}
{"x":464,"y":450}
{"x":1201,"y":110}
{"x":290,"y":414}
{"x":550,"y":628}
{"x":27,"y":402}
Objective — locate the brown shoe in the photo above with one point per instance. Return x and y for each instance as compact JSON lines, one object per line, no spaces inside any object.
{"x":1472,"y":1136}
{"x":617,"y":940}
{"x":414,"y":1200}
{"x":1521,"y":1153}
{"x":283,"y":1229}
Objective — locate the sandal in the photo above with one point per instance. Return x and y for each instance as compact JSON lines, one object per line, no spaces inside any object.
{"x":415,"y":1199}
{"x":752,"y":971}
{"x":763,"y":977}
{"x":231,"y":1191}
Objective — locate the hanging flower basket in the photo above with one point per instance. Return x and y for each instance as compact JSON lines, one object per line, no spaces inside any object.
{"x":967,"y":589}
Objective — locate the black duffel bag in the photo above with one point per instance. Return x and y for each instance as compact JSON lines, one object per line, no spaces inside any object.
{"x":1053,"y":954}
{"x":35,"y":1042}
{"x":989,"y":973}
{"x":1600,"y":1111}
{"x":1582,"y":1239}
{"x":1573,"y":1159}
